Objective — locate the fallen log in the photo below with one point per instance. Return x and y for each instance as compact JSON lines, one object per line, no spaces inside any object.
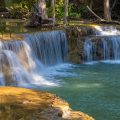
{"x":94,"y":13}
{"x":100,"y":20}
{"x":110,"y":22}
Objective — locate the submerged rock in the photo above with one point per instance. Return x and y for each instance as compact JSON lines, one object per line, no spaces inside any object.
{"x":27,"y":104}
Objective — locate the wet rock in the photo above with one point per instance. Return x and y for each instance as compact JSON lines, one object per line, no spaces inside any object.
{"x":77,"y":35}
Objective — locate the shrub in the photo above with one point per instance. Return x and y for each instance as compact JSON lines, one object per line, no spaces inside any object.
{"x":19,"y":11}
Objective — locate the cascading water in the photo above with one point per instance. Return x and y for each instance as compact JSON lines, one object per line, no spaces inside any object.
{"x":106,"y":49}
{"x":105,"y":45}
{"x":106,"y":30}
{"x":88,"y":50}
{"x":24,"y":62}
{"x":50,"y":48}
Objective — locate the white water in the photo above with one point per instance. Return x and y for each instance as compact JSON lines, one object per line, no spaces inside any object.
{"x":109,"y":45}
{"x":106,"y":30}
{"x":31,"y":61}
{"x":42,"y":56}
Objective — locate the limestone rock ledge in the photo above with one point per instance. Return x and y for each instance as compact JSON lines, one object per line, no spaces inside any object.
{"x":27,"y":104}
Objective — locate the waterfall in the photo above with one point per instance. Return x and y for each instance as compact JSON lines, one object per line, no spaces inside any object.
{"x":50,"y":48}
{"x":11,"y":68}
{"x":106,"y":49}
{"x":104,"y":45}
{"x":23,"y":62}
{"x":88,"y":50}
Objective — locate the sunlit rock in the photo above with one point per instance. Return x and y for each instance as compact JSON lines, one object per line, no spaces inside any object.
{"x":26,"y":104}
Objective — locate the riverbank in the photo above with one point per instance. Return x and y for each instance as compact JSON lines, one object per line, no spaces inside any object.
{"x":27,"y":104}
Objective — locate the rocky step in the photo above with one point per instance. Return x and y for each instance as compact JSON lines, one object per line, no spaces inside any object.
{"x":99,"y":37}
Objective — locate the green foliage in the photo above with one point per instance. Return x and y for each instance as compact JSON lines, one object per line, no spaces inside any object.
{"x":59,"y":9}
{"x":28,"y":3}
{"x":19,"y":10}
{"x":22,"y":8}
{"x":2,"y":29}
{"x":78,"y":10}
{"x":72,"y":13}
{"x":50,"y":11}
{"x":8,"y":3}
{"x":74,"y":10}
{"x":83,"y":10}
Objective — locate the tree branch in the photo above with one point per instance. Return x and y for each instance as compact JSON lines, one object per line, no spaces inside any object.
{"x":95,"y":14}
{"x":115,"y":1}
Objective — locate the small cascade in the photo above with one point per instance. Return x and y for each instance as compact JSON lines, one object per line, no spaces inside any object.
{"x":23,"y":62}
{"x":106,"y":49}
{"x":50,"y":48}
{"x":106,"y":30}
{"x":105,"y":45}
{"x":88,"y":50}
{"x":11,"y":68}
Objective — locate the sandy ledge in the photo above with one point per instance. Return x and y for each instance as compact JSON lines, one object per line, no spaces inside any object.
{"x":11,"y":37}
{"x":27,"y":104}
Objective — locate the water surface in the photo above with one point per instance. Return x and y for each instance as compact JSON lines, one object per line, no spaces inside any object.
{"x":91,"y":88}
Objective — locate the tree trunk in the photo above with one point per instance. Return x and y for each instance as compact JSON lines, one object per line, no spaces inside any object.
{"x":66,"y":12}
{"x":53,"y":11}
{"x":39,"y":15}
{"x":91,"y":4}
{"x":107,"y":13}
{"x":42,"y":9}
